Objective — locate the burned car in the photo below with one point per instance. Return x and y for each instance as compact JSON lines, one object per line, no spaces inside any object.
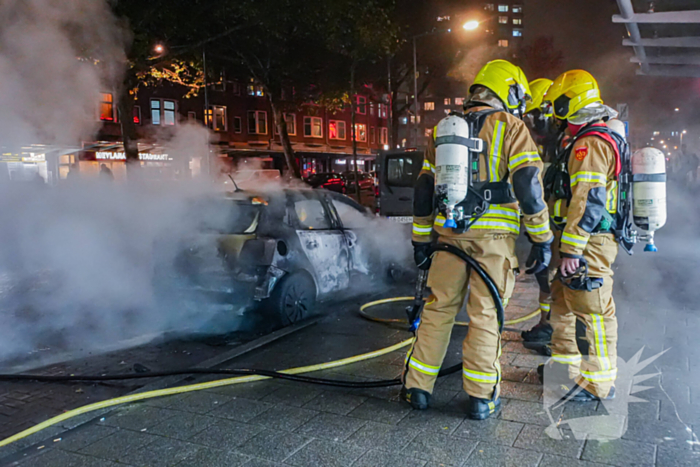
{"x":279,"y":253}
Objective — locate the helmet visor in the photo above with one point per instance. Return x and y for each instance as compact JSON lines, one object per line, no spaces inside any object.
{"x":561,"y":106}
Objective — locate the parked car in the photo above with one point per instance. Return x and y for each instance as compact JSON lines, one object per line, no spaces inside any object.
{"x":368,"y":193}
{"x":329,"y":180}
{"x":282,"y":252}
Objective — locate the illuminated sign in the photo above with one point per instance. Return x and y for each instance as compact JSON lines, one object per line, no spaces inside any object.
{"x":120,"y":156}
{"x":32,"y":157}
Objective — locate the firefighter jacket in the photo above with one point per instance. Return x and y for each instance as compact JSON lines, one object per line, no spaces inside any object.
{"x":594,"y":191}
{"x":510,"y":155}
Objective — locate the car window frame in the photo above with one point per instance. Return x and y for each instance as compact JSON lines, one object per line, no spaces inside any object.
{"x":306,"y":195}
{"x":406,"y":155}
{"x":331,"y":198}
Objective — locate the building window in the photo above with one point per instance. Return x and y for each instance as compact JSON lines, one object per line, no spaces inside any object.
{"x":217,"y":122}
{"x":257,"y":122}
{"x":517,"y":33}
{"x":503,"y":42}
{"x":382,"y":110}
{"x":291,"y":120}
{"x":163,"y":112}
{"x":313,"y":127}
{"x":237,"y":125}
{"x":404,"y":120}
{"x":255,"y":90}
{"x":373,"y":135}
{"x":459,"y":100}
{"x":137,"y":114}
{"x":336,"y":129}
{"x":503,"y":20}
{"x":106,"y":106}
{"x":191,"y":116}
{"x":448,"y":101}
{"x":428,"y":132}
{"x":236,"y":88}
{"x":371,"y":108}
{"x":428,"y":105}
{"x":361,"y":104}
{"x":489,"y":7}
{"x":384,"y":136}
{"x":503,"y":8}
{"x":517,"y":21}
{"x":517,"y":8}
{"x":361,"y":132}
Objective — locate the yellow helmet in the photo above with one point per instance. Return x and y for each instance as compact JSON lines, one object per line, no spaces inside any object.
{"x":538,"y":88}
{"x":573,"y":91}
{"x":507,"y":81}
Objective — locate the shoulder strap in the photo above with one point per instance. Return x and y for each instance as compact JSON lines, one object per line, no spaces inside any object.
{"x":616,"y":141}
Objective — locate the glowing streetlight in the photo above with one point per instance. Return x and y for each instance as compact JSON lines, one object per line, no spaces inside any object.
{"x":471,"y":25}
{"x":676,"y":109}
{"x":662,"y":142}
{"x":685,"y":131}
{"x":159,"y":48}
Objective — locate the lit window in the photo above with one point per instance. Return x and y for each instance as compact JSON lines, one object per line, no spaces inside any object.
{"x":429,"y":106}
{"x":517,"y":8}
{"x":361,"y":102}
{"x":413,"y":119}
{"x":106,"y":106}
{"x":448,"y":101}
{"x":163,"y":112}
{"x":403,"y":143}
{"x":489,"y":7}
{"x":155,"y":111}
{"x":255,"y":90}
{"x":503,"y":19}
{"x":459,"y":100}
{"x":257,"y":122}
{"x":137,"y":114}
{"x":404,"y":120}
{"x":217,"y":122}
{"x":361,"y":132}
{"x":313,"y":127}
{"x":372,"y":135}
{"x":191,"y":116}
{"x":336,"y":129}
{"x":237,"y":125}
{"x":371,"y":108}
{"x":503,"y":43}
{"x":384,"y":136}
{"x":382,"y":110}
{"x":517,"y":33}
{"x":428,"y":132}
{"x":168,"y":112}
{"x":291,"y":124}
{"x":517,"y":21}
{"x":503,"y":8}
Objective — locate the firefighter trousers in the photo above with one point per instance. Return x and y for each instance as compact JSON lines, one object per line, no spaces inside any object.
{"x":449,"y":280}
{"x":595,"y":372}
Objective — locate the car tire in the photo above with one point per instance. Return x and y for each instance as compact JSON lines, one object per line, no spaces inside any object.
{"x":293,"y":299}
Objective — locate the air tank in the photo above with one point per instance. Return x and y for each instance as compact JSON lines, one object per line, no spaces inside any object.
{"x":451,"y":165}
{"x":649,"y":191}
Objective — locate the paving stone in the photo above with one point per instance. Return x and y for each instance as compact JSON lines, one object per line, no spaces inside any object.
{"x":183,"y":425}
{"x":201,"y":402}
{"x":380,"y":410}
{"x":492,"y":430}
{"x":441,"y":448}
{"x":226,"y":434}
{"x":441,"y":420}
{"x":521,"y":391}
{"x":332,"y":427}
{"x":550,"y":460}
{"x":574,"y":410}
{"x":138,"y":417}
{"x":254,"y":391}
{"x":294,"y":394}
{"x":669,"y":434}
{"x":528,"y":360}
{"x":335,"y":402}
{"x":534,"y":437}
{"x":58,"y":458}
{"x":644,"y":411}
{"x":263,"y":463}
{"x":82,"y":437}
{"x":528,"y":412}
{"x":213,"y":458}
{"x":673,"y":457}
{"x":115,"y":446}
{"x":162,"y":452}
{"x":382,"y":436}
{"x":387,"y":459}
{"x":619,"y":452}
{"x":512,"y":373}
{"x":326,"y":453}
{"x":241,"y":410}
{"x":272,"y":445}
{"x":486,"y":455}
{"x":284,"y":417}
{"x":451,"y":382}
{"x":668,"y":412}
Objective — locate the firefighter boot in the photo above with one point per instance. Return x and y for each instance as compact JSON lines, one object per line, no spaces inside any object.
{"x":419,"y":399}
{"x":540,"y":333}
{"x":578,"y":394}
{"x":481,"y":409}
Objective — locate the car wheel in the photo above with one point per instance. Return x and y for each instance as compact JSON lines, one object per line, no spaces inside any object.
{"x":293,"y":299}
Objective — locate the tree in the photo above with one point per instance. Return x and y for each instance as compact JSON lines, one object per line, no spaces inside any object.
{"x":541,"y":58}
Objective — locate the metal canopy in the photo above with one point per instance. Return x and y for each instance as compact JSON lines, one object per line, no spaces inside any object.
{"x":665,"y":38}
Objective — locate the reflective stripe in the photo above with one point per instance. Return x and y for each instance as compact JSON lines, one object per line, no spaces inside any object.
{"x":523,"y":157}
{"x":574,"y":240}
{"x":496,"y":144}
{"x":596,"y":376}
{"x":428,"y":166}
{"x":556,"y":211}
{"x":480,"y":377}
{"x":496,"y":217}
{"x":590,"y":177}
{"x":501,"y":224}
{"x":612,"y":199}
{"x":567,"y":359}
{"x":419,"y":229}
{"x":537,"y":229}
{"x":496,"y":210}
{"x":601,"y":346}
{"x":545,"y":306}
{"x":423,"y":368}
{"x":440,"y":220}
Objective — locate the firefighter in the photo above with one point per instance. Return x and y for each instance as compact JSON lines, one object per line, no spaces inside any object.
{"x":587,"y":205}
{"x":509,"y":158}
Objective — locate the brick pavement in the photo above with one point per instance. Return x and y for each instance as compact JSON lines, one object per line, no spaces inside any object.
{"x":280,"y":423}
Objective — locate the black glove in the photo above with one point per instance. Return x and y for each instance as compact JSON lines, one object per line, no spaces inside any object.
{"x":543,"y":281}
{"x":421,"y":255}
{"x":540,"y":256}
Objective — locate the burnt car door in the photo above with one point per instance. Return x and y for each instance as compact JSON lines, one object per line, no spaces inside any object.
{"x":357,"y":226}
{"x":322,"y":241}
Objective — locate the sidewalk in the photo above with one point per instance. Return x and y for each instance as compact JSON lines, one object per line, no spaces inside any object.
{"x":280,"y":423}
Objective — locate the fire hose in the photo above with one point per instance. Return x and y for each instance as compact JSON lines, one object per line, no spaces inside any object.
{"x":250,"y":375}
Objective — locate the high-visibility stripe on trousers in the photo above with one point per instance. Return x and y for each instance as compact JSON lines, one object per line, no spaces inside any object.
{"x":449,"y":280}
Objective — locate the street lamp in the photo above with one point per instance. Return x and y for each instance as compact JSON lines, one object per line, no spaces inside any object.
{"x":682,"y":133}
{"x":159,"y":48}
{"x":470,"y":25}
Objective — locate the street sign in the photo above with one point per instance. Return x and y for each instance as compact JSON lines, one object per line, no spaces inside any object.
{"x":623,"y":111}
